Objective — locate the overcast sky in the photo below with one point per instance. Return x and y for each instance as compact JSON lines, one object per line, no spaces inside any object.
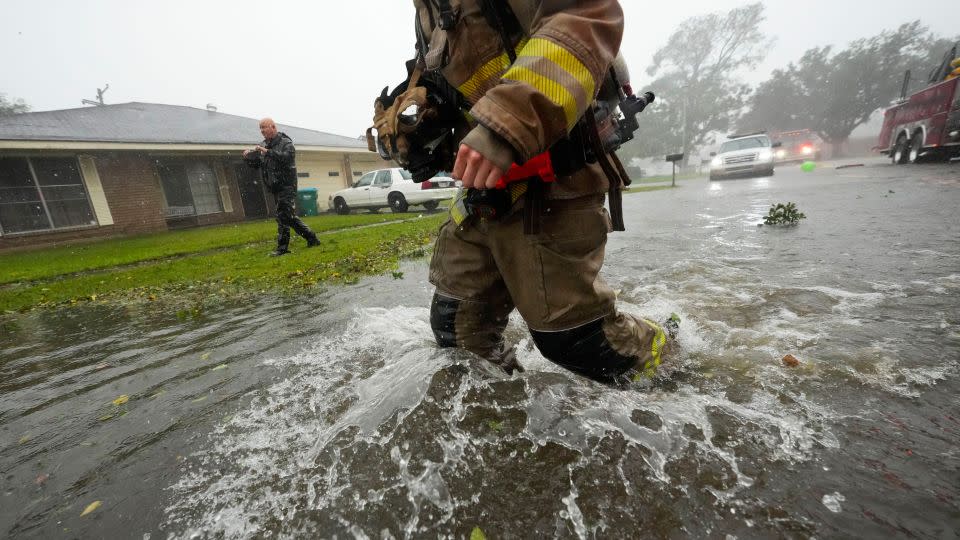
{"x":319,"y":64}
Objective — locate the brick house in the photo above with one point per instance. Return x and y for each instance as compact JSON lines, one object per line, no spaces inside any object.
{"x":136,"y":168}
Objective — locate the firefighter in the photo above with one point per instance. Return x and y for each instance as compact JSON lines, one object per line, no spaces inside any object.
{"x":526,"y":73}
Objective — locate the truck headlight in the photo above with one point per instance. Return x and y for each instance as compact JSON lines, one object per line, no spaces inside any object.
{"x":717,"y":162}
{"x":765,"y":155}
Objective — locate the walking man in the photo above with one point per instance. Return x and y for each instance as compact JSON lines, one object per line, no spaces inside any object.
{"x":277,"y":160}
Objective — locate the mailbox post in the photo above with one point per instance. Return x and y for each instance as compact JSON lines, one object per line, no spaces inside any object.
{"x":674,"y":158}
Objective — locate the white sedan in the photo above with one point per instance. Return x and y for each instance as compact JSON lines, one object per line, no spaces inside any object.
{"x":394,"y":188}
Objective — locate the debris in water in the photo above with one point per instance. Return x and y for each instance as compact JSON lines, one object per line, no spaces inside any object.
{"x":783,"y":214}
{"x":832,"y":502}
{"x":121,"y":400}
{"x":791,"y":361}
{"x":42,"y":479}
{"x":477,"y":534}
{"x":91,"y":508}
{"x":850,"y":166}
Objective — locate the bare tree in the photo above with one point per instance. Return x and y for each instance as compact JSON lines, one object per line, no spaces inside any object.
{"x":698,"y":85}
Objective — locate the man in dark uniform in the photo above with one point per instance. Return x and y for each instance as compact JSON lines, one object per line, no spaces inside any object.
{"x":276,"y":159}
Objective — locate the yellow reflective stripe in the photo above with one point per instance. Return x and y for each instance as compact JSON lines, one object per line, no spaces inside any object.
{"x":656,"y":348}
{"x":523,"y":71}
{"x":458,"y":210}
{"x":476,"y":83}
{"x":487,"y":76}
{"x":543,"y":48}
{"x":554,"y":91}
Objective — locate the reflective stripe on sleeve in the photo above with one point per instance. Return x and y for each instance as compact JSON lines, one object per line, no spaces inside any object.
{"x":556,"y":73}
{"x":487,"y":76}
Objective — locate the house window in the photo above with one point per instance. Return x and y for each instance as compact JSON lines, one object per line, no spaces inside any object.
{"x":333,"y":173}
{"x":190,"y":187}
{"x":358,"y":173}
{"x":303,"y":175}
{"x":42,"y":193}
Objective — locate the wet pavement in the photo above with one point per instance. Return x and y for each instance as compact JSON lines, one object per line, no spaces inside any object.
{"x":336,"y":415}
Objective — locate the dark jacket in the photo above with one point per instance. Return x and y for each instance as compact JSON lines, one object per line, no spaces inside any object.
{"x":278,"y":167}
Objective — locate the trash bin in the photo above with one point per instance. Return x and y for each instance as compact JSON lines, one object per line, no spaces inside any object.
{"x":307,"y":202}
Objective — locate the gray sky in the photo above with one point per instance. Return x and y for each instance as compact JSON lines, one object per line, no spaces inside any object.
{"x":319,"y":63}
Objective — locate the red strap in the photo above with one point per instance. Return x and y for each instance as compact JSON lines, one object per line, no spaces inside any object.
{"x":539,"y":165}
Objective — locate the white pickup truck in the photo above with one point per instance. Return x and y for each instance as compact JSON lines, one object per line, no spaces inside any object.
{"x":394,"y":188}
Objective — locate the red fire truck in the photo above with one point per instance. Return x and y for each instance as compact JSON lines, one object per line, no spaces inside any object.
{"x":925,"y":125}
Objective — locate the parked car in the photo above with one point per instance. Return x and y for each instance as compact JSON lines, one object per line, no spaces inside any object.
{"x":392,"y":188}
{"x":798,"y":145}
{"x":744,"y":155}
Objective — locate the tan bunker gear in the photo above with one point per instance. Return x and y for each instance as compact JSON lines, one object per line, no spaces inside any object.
{"x":526,"y":85}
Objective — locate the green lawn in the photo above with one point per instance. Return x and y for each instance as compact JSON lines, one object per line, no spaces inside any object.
{"x":200,"y":265}
{"x":45,"y":263}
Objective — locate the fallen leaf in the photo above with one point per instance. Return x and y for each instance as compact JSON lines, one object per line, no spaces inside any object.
{"x":106,"y":417}
{"x":121,"y":400}
{"x":204,"y":356}
{"x":101,"y":365}
{"x":477,"y":534}
{"x":218,"y":368}
{"x":24,"y":440}
{"x":791,"y":361}
{"x":91,"y":508}
{"x":199,"y":399}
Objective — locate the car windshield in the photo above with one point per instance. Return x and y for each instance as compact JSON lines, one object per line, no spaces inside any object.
{"x":365,"y":180}
{"x":405,"y":174}
{"x":743,"y":144}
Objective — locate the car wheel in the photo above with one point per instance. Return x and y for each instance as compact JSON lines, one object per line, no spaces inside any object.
{"x":398,"y":203}
{"x":340,"y":206}
{"x":916,"y":144}
{"x":899,"y":154}
{"x":431,"y":205}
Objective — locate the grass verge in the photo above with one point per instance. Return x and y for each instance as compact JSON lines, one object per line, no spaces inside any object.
{"x":46,"y":263}
{"x":219,"y":267}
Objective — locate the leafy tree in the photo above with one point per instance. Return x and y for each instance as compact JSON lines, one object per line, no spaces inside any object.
{"x":697,"y":71}
{"x":833,"y":92}
{"x":12,"y":107}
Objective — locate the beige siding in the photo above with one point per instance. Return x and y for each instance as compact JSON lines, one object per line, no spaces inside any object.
{"x":319,"y":165}
{"x":95,"y":189}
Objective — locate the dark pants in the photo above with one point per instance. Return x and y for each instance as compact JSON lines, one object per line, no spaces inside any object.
{"x":287,"y":218}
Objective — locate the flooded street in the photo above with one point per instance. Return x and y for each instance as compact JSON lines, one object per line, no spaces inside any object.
{"x":335,"y":414}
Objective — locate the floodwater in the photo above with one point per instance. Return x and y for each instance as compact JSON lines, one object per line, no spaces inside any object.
{"x":335,"y":415}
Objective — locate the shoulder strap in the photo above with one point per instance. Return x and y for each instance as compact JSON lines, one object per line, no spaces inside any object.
{"x":500,"y":16}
